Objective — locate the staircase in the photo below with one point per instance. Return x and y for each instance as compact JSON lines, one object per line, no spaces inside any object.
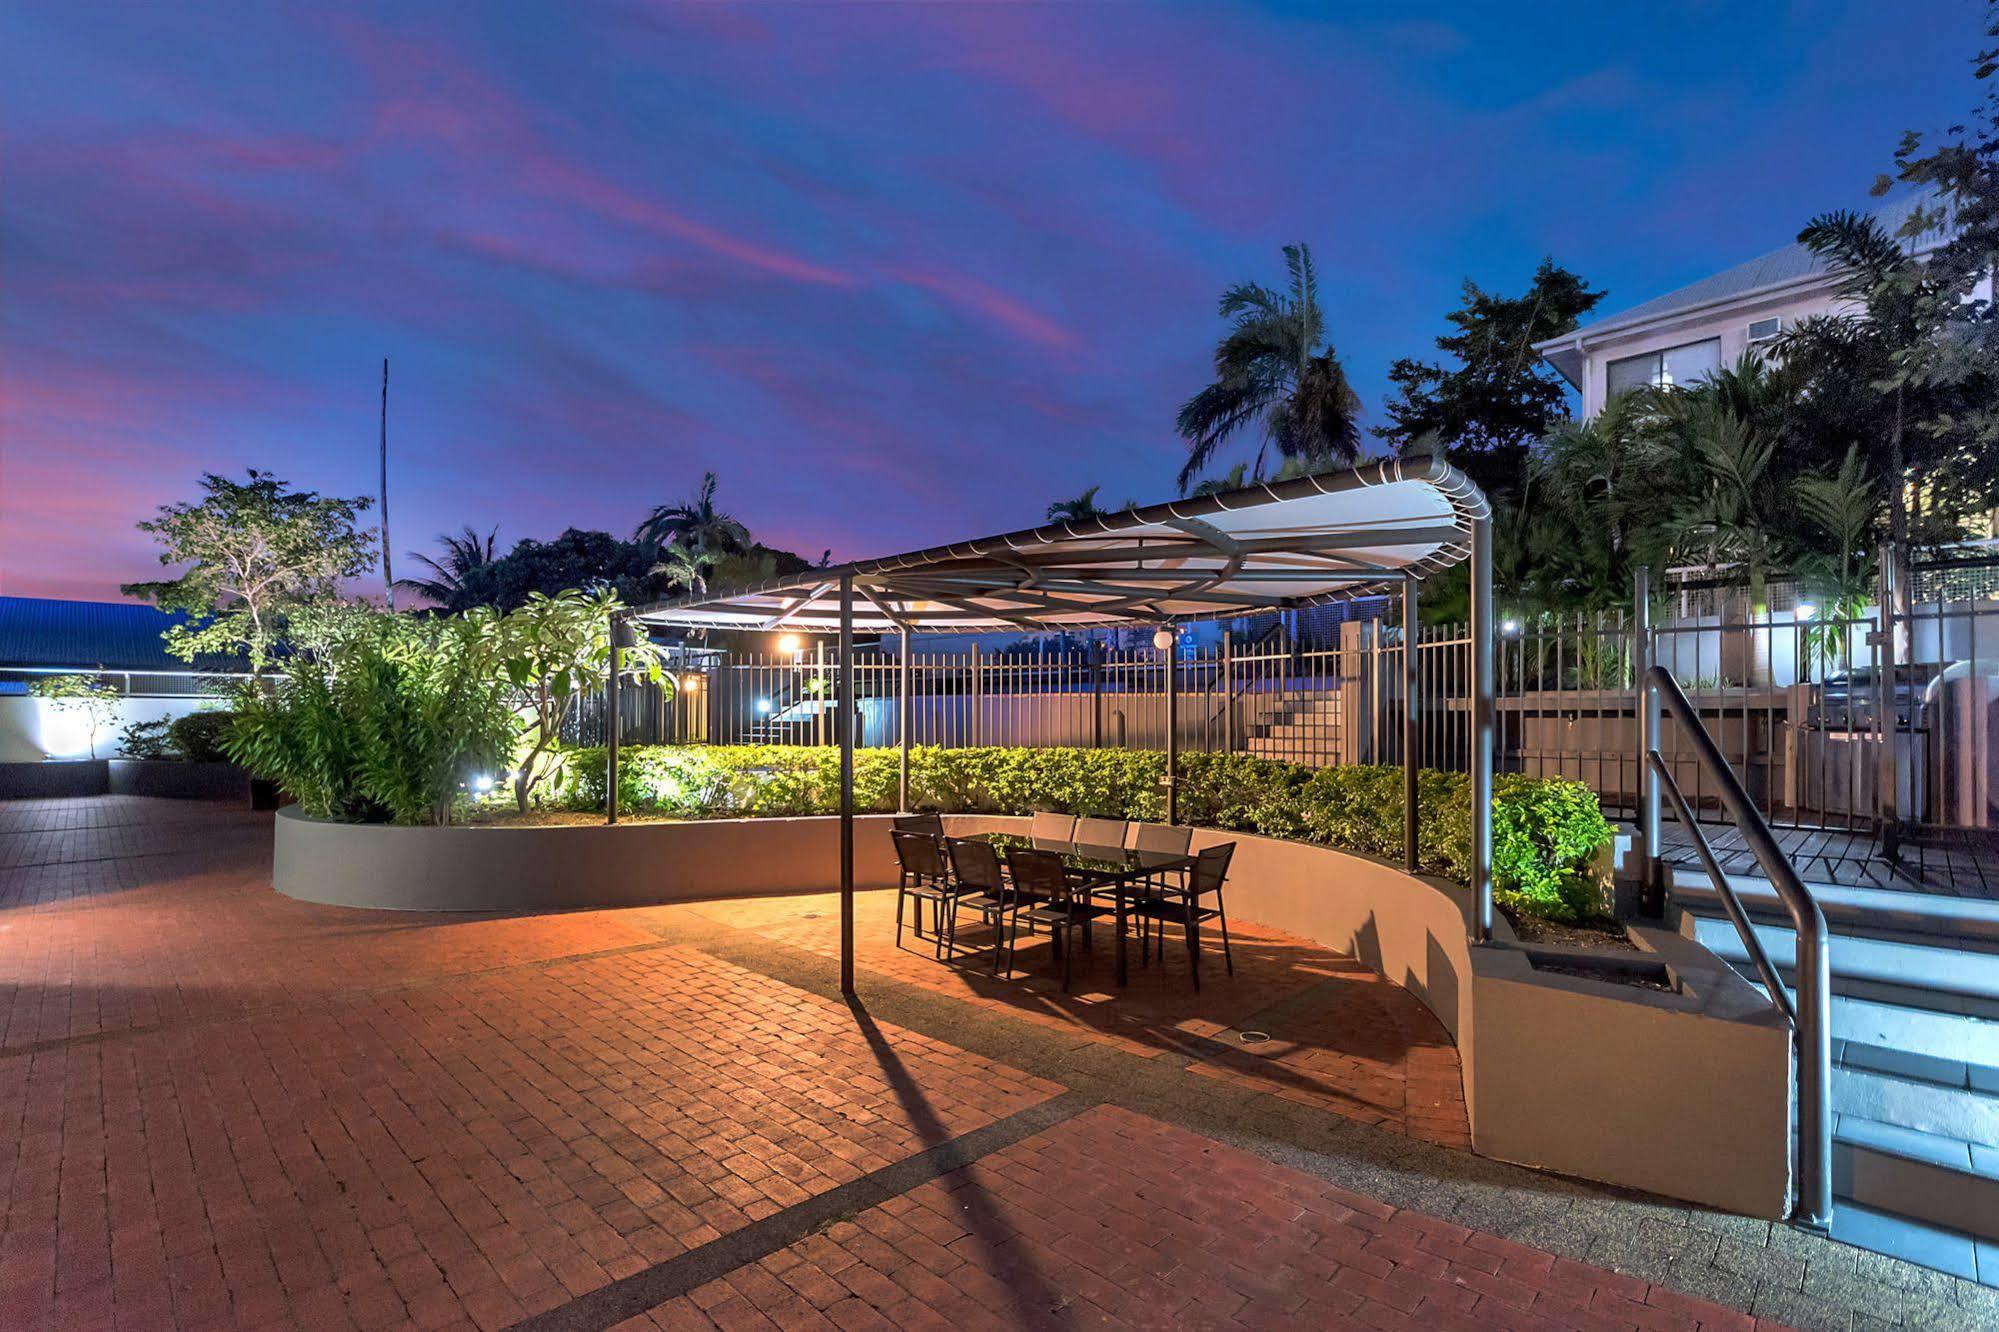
{"x":1915,"y":1027}
{"x":1302,"y":730}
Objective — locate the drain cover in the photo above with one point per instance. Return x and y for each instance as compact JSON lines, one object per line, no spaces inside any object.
{"x":1253,"y":1037}
{"x":812,"y":915}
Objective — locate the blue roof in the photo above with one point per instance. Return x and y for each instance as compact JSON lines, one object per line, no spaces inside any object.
{"x":36,"y":633}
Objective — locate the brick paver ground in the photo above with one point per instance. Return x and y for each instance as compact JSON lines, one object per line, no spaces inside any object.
{"x":223,"y":1108}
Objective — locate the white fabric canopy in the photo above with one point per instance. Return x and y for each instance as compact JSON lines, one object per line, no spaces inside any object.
{"x":1280,"y":546}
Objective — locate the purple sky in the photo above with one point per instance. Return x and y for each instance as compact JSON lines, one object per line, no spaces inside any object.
{"x":898,"y":273}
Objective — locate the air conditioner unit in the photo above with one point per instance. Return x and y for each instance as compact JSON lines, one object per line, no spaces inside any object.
{"x":1765,"y":330}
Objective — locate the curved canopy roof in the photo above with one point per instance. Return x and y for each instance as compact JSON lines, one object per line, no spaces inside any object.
{"x":1280,"y":546}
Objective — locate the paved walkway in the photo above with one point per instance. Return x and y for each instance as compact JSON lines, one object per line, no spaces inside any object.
{"x":221,"y":1108}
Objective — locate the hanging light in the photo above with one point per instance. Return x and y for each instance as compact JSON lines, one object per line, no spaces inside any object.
{"x":763,"y":705}
{"x":790,"y":645}
{"x":1163,"y":640}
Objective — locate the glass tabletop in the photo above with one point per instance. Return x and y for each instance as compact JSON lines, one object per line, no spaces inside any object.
{"x":1086,"y":858}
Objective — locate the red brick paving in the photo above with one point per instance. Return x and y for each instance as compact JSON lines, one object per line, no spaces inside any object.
{"x":1346,"y":1041}
{"x":228,"y":1109}
{"x":1115,"y":1220}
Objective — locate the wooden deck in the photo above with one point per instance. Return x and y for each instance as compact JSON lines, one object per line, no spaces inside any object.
{"x":1952,"y":862}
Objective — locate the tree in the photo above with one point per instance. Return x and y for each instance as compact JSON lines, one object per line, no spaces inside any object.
{"x":1234,"y":479}
{"x":1498,"y":397}
{"x":1273,"y":371}
{"x":93,"y":701}
{"x":255,"y":550}
{"x":549,"y":651}
{"x":696,"y":523}
{"x":1083,"y":508}
{"x":451,"y":576}
{"x":577,"y":559}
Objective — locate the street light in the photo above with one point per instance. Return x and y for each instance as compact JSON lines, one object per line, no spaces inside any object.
{"x":790,"y":645}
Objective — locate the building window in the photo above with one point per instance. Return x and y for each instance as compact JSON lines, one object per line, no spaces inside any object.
{"x":1765,"y":330}
{"x":1664,"y":369}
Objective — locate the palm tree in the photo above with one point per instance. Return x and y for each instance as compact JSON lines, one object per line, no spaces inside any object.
{"x":1234,"y":479}
{"x":1273,"y":370}
{"x":450,"y":576}
{"x":682,"y":568}
{"x":696,"y":524}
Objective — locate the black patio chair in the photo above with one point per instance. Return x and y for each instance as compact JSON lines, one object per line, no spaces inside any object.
{"x":919,"y":858}
{"x":978,"y":884}
{"x":1181,"y":905}
{"x":932,"y":824}
{"x":1168,"y":839}
{"x":1046,"y":895}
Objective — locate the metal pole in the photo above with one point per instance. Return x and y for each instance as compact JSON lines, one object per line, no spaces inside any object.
{"x":902,"y":678}
{"x":1646,"y":704}
{"x":1097,"y":693}
{"x":845,"y":725}
{"x":1172,"y":729}
{"x":1228,"y":691}
{"x":611,"y":728}
{"x":975,"y":732}
{"x":1483,"y":627}
{"x":1412,"y":726}
{"x":1888,"y":770}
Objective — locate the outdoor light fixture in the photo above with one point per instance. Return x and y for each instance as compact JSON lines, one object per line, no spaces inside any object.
{"x":482,"y":783}
{"x":690,"y":682}
{"x":790,"y":645}
{"x":1804,"y":611}
{"x":1163,"y":640}
{"x":1509,"y":626}
{"x":763,"y":705}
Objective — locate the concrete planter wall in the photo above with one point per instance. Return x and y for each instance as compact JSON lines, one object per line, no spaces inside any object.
{"x":173,"y":779}
{"x":1686,"y":1094}
{"x":53,"y":780}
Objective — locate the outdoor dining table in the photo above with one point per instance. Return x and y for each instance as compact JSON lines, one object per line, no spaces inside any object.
{"x":1111,"y":869}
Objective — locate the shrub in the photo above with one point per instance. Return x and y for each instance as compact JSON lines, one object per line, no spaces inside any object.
{"x":145,"y":739}
{"x":385,"y":725}
{"x":198,"y":737}
{"x":1546,"y":831}
{"x":91,"y":700}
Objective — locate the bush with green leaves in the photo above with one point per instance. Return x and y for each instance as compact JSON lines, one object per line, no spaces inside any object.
{"x":1546,"y":831}
{"x":90,"y":699}
{"x":146,"y":739}
{"x":388,"y":724}
{"x":200,"y":737}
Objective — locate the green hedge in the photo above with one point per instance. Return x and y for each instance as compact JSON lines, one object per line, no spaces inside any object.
{"x":1546,"y":832}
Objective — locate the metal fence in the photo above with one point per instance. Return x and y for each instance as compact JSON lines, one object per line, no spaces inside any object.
{"x":1796,"y":697}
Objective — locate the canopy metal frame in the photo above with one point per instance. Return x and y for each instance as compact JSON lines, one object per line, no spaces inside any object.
{"x":1281,"y":546}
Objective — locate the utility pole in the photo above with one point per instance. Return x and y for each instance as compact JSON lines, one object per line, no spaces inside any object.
{"x":388,"y":576}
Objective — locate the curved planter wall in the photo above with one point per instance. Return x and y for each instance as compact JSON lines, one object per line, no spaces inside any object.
{"x":1686,"y":1094}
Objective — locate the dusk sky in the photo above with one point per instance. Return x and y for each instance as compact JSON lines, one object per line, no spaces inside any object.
{"x":898,"y":273}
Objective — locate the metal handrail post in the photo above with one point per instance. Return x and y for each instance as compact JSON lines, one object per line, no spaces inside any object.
{"x":1812,"y":966}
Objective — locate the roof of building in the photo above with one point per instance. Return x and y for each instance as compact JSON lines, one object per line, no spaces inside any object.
{"x":1281,"y":546}
{"x":43,"y":634}
{"x":1779,"y":268}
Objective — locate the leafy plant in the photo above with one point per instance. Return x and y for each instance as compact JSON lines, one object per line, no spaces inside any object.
{"x":254,"y":549}
{"x":1546,"y":832}
{"x":385,"y":725}
{"x":93,"y":701}
{"x":145,"y":739}
{"x":199,"y":737}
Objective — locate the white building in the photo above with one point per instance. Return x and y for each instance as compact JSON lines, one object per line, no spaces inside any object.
{"x":1686,"y":334}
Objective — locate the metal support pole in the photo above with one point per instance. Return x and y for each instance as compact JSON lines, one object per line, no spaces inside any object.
{"x":1651,"y":864}
{"x":975,"y":731}
{"x":1483,"y":629}
{"x":1173,"y":730}
{"x":902,"y":679}
{"x":1412,"y":726}
{"x":845,"y":726}
{"x":1228,"y":691}
{"x":611,"y":727}
{"x":1888,"y":770}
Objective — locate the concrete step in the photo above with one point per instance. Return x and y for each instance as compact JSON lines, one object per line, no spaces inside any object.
{"x":1925,"y":1176}
{"x":1913,"y":1241}
{"x":1927,"y":975}
{"x":1868,"y":912}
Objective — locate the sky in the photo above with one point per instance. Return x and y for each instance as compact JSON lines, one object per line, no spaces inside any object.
{"x":897,"y":273}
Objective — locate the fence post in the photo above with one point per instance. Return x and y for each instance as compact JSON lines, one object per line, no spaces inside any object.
{"x":1097,"y":693}
{"x":1888,"y":770}
{"x":974,"y":725}
{"x":902,"y":679}
{"x":1652,"y":898}
{"x":611,"y":727}
{"x":1228,"y":691}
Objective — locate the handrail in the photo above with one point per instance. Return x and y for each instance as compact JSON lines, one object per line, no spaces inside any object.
{"x":1811,"y":1017}
{"x":1729,"y":900}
